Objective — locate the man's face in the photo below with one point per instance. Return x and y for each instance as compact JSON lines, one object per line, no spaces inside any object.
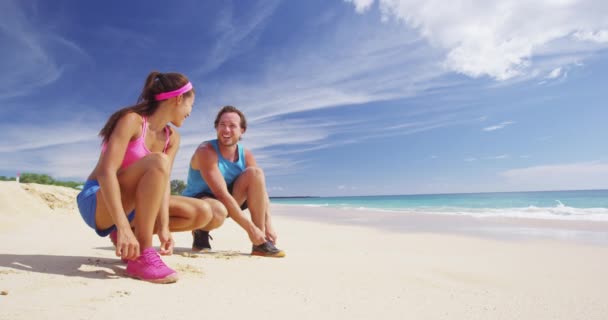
{"x":229,"y":129}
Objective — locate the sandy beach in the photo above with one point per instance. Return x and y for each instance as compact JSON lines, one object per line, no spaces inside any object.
{"x":54,"y":267}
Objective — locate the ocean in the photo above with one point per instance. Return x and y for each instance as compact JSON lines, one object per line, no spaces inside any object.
{"x":583,"y":205}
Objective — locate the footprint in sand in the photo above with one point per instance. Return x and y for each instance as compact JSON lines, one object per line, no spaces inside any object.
{"x":121,"y":293}
{"x":226,"y":255}
{"x":9,"y":271}
{"x":186,"y":268}
{"x":190,"y":255}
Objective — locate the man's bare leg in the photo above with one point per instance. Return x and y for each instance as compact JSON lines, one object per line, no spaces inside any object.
{"x":250,"y":186}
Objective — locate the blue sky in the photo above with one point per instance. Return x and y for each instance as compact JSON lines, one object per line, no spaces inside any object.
{"x":343,"y":97}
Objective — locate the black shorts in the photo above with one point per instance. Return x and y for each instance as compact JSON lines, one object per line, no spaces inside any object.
{"x":212,"y":196}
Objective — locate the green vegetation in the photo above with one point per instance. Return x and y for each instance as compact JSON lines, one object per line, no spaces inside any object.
{"x":27,"y":177}
{"x":177,"y":186}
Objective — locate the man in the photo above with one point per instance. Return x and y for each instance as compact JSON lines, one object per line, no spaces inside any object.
{"x":222,"y":169}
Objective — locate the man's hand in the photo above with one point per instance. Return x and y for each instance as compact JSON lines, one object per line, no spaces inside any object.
{"x":166,"y":242}
{"x":127,"y":246}
{"x":271,"y":235}
{"x":256,"y":236}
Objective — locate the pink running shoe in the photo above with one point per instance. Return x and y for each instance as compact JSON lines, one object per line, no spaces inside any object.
{"x":114,"y":239}
{"x":150,"y":267}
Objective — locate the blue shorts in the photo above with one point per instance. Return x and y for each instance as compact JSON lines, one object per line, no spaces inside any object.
{"x":87,"y":203}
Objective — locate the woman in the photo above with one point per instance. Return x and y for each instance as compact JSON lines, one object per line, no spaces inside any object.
{"x":129,"y":187}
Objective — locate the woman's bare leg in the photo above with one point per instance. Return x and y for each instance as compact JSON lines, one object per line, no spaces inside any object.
{"x":142,"y":186}
{"x":187,"y":213}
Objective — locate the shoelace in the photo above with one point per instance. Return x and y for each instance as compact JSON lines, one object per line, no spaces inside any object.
{"x":153,"y":258}
{"x":268,"y":247}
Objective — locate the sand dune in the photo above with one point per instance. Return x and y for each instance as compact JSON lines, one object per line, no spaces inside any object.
{"x":21,"y":203}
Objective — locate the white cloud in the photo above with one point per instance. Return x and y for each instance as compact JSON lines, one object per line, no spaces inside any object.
{"x":498,"y":38}
{"x":72,"y":160}
{"x":351,"y":63}
{"x":558,"y":74}
{"x":361,"y":5}
{"x":346,"y":188}
{"x":236,"y":35}
{"x":23,"y":137}
{"x":582,"y":175}
{"x":555,"y":73}
{"x":502,"y":125}
{"x":499,"y":157}
{"x":31,"y":56}
{"x":309,"y":82}
{"x":600,"y":36}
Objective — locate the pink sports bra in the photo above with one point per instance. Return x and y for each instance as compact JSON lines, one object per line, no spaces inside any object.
{"x":137,"y":149}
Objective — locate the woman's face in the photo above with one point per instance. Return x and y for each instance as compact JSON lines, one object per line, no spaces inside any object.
{"x":183,"y":110}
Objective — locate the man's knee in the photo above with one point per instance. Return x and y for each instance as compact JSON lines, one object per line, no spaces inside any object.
{"x":254,"y":173}
{"x":218,"y":214}
{"x":202,"y":213}
{"x":219,"y":210}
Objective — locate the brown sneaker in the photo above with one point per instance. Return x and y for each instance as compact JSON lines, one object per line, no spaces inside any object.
{"x":267,"y":249}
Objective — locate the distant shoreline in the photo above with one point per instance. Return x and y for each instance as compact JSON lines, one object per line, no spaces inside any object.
{"x":295,"y":197}
{"x":443,"y":193}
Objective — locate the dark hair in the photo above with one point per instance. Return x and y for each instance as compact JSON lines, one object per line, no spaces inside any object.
{"x":146,"y":105}
{"x":227,"y":109}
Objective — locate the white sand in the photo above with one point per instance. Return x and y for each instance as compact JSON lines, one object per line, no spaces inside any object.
{"x":52,"y":266}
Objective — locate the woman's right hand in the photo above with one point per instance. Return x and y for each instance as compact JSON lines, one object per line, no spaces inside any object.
{"x":127,"y":246}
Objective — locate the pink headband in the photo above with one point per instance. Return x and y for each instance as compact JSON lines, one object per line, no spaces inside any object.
{"x":166,"y":95}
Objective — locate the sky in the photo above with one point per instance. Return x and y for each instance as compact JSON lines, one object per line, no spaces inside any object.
{"x":343,"y":97}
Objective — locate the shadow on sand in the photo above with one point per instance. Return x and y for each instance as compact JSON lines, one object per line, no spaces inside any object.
{"x":188,"y":253}
{"x":71,"y":266}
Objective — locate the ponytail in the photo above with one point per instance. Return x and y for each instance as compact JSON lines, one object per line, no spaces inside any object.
{"x":146,"y":105}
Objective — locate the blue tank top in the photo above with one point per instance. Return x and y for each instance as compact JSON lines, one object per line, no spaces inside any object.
{"x":230,"y":171}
